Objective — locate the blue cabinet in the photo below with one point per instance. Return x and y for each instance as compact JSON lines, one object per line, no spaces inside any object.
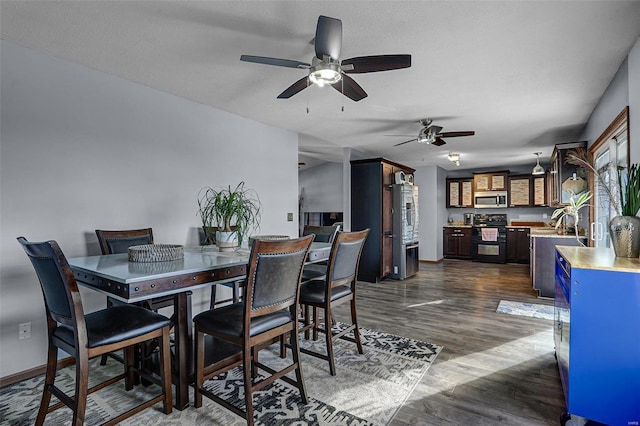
{"x":597,"y":334}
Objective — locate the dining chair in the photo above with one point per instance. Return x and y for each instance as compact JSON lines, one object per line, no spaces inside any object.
{"x":86,"y":336}
{"x":323,"y":234}
{"x":268,"y":310}
{"x":339,"y":286}
{"x":119,"y":241}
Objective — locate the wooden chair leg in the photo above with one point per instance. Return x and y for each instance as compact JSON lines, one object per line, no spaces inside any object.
{"x":329,"y":340}
{"x":129,"y":364}
{"x":295,"y":353}
{"x":199,"y":366}
{"x":307,"y":320}
{"x":248,"y":384}
{"x":316,"y":323}
{"x":49,"y":379}
{"x":165,"y":371}
{"x":356,"y":330}
{"x":82,"y":386}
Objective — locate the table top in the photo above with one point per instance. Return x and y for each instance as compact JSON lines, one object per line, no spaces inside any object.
{"x":598,"y":258}
{"x":117,"y":267}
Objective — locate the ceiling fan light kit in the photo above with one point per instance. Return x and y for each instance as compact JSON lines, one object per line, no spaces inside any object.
{"x":537,"y":170}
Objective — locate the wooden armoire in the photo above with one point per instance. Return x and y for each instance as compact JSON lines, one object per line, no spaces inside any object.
{"x":371,"y":207}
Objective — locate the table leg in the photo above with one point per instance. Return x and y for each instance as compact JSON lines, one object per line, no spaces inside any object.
{"x":183,"y":350}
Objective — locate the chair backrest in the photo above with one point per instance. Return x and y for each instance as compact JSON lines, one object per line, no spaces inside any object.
{"x":345,"y":258}
{"x":61,"y":296}
{"x":112,"y":242}
{"x":324,"y":234}
{"x":274,"y":273}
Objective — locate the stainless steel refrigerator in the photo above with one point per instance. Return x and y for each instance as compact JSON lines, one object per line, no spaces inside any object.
{"x":405,"y":231}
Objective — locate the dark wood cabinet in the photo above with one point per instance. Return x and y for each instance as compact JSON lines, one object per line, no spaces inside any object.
{"x":518,"y":245}
{"x":493,"y":181}
{"x":371,"y":207}
{"x":460,"y":192}
{"x":457,"y":242}
{"x":527,"y":191}
{"x":561,"y":173}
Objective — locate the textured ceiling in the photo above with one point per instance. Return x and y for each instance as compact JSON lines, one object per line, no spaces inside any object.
{"x":524,"y":75}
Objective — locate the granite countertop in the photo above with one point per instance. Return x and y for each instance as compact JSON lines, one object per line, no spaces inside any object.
{"x":453,"y":225}
{"x":598,"y":258}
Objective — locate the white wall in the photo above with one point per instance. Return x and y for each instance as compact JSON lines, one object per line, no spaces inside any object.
{"x":83,"y":150}
{"x":323,"y":187}
{"x":431,"y":211}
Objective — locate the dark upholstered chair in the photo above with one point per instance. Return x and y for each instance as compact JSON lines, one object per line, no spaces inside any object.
{"x":267,"y":311}
{"x":84,"y":337}
{"x":339,"y":286}
{"x":323,"y":234}
{"x":113,"y":242}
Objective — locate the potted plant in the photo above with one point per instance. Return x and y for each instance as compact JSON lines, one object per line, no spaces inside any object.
{"x":229,"y":213}
{"x":624,"y":228}
{"x":572,"y":210}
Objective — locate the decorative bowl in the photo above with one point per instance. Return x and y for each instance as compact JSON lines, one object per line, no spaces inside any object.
{"x":156,"y":253}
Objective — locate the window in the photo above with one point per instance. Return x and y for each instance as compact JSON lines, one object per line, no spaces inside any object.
{"x":609,"y":151}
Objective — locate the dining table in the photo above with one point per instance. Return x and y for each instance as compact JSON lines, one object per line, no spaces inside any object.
{"x":203,"y":266}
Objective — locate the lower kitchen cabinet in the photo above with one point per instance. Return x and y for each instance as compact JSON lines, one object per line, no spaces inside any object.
{"x":457,"y":242}
{"x":518,"y":245}
{"x":597,"y":334}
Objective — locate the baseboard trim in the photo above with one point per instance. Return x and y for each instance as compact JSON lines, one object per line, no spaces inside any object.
{"x":33,"y":372}
{"x":433,"y":262}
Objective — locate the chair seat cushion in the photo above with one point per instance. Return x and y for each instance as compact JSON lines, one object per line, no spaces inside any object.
{"x":312,"y":274}
{"x":313,"y":292}
{"x":228,"y":320}
{"x":114,"y":325}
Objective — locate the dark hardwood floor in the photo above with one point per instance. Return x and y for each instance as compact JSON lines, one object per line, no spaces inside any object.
{"x":494,"y":368}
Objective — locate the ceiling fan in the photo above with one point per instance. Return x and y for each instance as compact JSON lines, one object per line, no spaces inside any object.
{"x":326,"y":68}
{"x":430,"y":134}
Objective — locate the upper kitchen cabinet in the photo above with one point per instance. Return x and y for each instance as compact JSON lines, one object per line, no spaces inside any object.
{"x":565,"y":179}
{"x":527,"y":191}
{"x":371,"y":207}
{"x":460,"y":192}
{"x":494,"y":181}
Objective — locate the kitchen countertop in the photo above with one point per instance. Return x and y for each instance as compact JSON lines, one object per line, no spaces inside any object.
{"x":598,"y":258}
{"x":453,"y":225}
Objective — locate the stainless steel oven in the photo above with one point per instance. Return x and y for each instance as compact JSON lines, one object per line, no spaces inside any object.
{"x":489,"y":238}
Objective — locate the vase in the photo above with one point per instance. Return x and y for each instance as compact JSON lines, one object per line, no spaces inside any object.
{"x":227,"y":241}
{"x":625,"y":235}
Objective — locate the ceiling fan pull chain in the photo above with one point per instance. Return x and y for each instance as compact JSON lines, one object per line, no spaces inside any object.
{"x":342,"y":90}
{"x":307,"y":96}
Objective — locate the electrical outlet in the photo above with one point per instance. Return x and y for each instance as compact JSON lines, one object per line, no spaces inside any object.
{"x":289,"y":217}
{"x":24,"y":331}
{"x":544,"y":215}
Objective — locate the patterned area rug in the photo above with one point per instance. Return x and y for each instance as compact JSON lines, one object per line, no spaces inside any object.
{"x":534,"y":310}
{"x":368,"y":389}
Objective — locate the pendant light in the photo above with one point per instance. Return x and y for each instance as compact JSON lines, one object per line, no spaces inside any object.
{"x":537,"y":170}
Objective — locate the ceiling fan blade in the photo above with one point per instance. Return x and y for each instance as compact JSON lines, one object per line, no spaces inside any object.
{"x":377,"y":63}
{"x":350,"y":88}
{"x":296,"y":87}
{"x":456,"y":134}
{"x":438,"y":142}
{"x":274,"y":61}
{"x":402,"y":143}
{"x":328,"y":41}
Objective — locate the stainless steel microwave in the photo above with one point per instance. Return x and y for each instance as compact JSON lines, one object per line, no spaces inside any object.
{"x":490,"y":199}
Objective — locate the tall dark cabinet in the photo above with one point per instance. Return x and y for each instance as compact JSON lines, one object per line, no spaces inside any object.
{"x":371,"y":207}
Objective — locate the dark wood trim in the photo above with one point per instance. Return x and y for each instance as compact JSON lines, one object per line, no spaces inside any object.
{"x":33,"y":372}
{"x":381,"y":159}
{"x":431,"y":262}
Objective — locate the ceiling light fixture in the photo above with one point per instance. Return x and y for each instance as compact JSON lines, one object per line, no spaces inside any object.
{"x":426,"y":136}
{"x":537,"y":170}
{"x":325,"y":73}
{"x":454,"y":157}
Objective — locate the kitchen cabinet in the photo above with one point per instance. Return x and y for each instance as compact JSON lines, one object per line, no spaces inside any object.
{"x":596,"y":333}
{"x":460,"y":192}
{"x":527,"y":191}
{"x":494,"y":181}
{"x":561,"y":173}
{"x":542,"y":259}
{"x":457,"y":242}
{"x":518,"y":245}
{"x":371,"y":207}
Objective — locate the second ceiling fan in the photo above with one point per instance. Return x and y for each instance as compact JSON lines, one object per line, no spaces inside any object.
{"x":431,"y":134}
{"x":326,"y":68}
